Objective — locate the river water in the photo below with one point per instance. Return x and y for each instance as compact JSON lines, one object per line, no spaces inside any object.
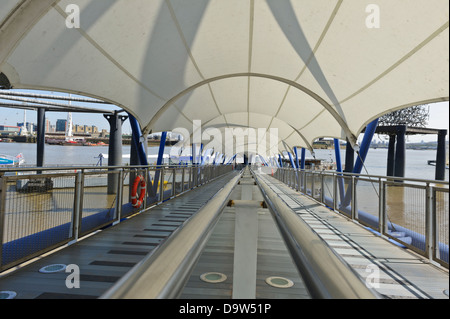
{"x":405,"y":206}
{"x":375,"y":164}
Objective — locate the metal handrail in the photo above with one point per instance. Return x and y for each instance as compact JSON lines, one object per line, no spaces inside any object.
{"x":325,"y":274}
{"x":121,"y":208}
{"x":93,"y":167}
{"x":424,"y":244}
{"x":348,"y":174}
{"x":163,"y":273}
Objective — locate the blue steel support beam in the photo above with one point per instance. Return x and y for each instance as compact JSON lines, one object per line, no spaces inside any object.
{"x":364,"y":149}
{"x":292,"y":160}
{"x":136,"y":135}
{"x":159,"y":161}
{"x":297,"y":164}
{"x":264,"y":160}
{"x":201,"y":154}
{"x":232,"y":159}
{"x":337,"y":150}
{"x":303,"y":159}
{"x":280,"y":160}
{"x":365,"y":145}
{"x":273,"y":160}
{"x":349,"y":157}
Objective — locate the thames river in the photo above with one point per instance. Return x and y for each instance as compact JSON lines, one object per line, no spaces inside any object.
{"x":416,"y":160}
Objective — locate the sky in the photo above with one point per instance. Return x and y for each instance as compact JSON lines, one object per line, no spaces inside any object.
{"x":439,"y":117}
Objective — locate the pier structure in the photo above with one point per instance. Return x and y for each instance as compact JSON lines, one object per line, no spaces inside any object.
{"x":232,"y":228}
{"x":397,"y":148}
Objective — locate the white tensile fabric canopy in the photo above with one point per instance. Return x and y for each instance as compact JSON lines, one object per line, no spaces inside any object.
{"x":310,"y":68}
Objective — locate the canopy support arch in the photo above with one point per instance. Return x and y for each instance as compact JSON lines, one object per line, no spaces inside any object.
{"x":351,"y":137}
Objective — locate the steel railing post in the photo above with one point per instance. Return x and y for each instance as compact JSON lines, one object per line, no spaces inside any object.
{"x":77,"y":207}
{"x":429,"y":223}
{"x":322,"y":196}
{"x":381,"y":220}
{"x":354,"y":211}
{"x":182,"y":179}
{"x":118,"y":208}
{"x":335,"y":205}
{"x":2,"y":215}
{"x":161,"y":185}
{"x":147,"y":184}
{"x":174,"y":182}
{"x":190,"y":178}
{"x":384,"y":218}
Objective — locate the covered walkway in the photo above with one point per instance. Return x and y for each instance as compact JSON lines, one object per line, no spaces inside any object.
{"x":244,"y":252}
{"x":234,"y":78}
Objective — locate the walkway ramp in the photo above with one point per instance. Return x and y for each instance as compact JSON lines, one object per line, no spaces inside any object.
{"x":245,"y":255}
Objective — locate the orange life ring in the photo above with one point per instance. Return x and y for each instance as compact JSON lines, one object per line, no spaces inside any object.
{"x":137,"y":202}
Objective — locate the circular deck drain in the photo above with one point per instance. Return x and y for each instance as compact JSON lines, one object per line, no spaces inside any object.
{"x":52,"y":268}
{"x":213,"y":277}
{"x":279,"y":282}
{"x":7,"y":294}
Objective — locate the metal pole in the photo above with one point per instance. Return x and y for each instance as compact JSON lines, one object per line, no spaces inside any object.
{"x":280,"y":160}
{"x":160,"y":158}
{"x":381,"y":221}
{"x":297,"y":164}
{"x":115,"y":148}
{"x":40,"y":141}
{"x":365,"y":145}
{"x":303,"y":159}
{"x":118,"y":208}
{"x":337,"y":151}
{"x":349,"y":157}
{"x":138,"y":139}
{"x":399,"y":167}
{"x":77,"y":207}
{"x":161,"y":185}
{"x":2,"y":213}
{"x":429,"y":223}
{"x":391,"y":156}
{"x":440,"y":156}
